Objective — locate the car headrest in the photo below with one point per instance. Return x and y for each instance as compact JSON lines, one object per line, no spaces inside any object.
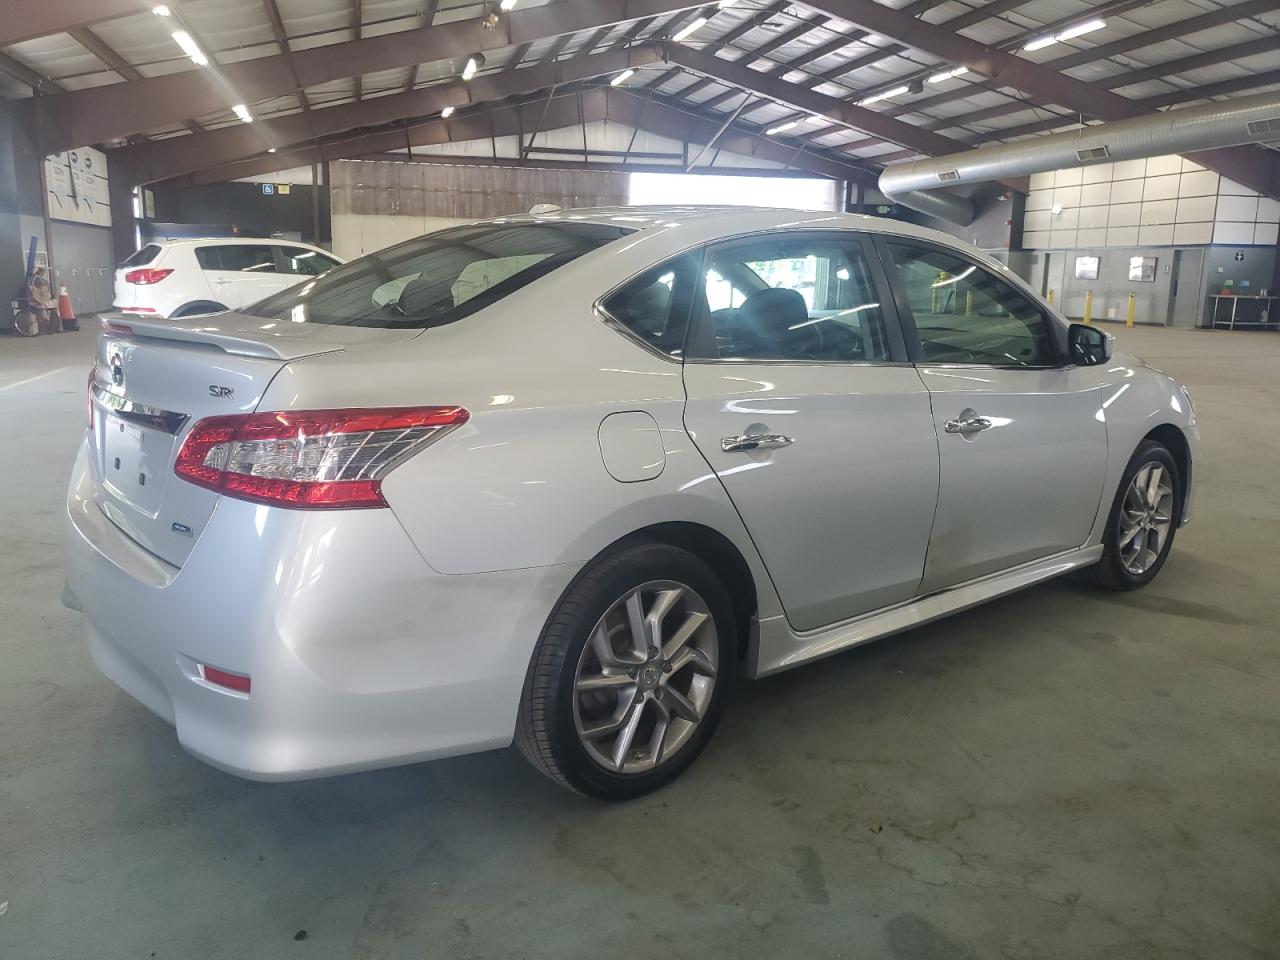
{"x":773,"y":312}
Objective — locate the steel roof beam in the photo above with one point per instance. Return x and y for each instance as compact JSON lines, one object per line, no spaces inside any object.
{"x":165,"y":159}
{"x":80,"y":117}
{"x":60,"y":16}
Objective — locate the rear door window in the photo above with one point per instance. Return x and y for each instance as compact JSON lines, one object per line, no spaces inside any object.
{"x":238,"y":257}
{"x":300,"y":261}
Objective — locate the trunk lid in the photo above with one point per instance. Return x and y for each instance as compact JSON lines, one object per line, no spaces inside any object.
{"x":153,"y":380}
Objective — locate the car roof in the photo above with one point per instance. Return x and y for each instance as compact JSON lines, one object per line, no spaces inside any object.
{"x":194,"y":241}
{"x":727,"y":221}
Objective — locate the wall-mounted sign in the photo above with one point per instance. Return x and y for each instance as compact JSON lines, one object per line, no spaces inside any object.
{"x":1239,"y":254}
{"x":268,"y":189}
{"x":1142,"y":269}
{"x":76,"y":185}
{"x":1086,"y":268}
{"x":282,"y":188}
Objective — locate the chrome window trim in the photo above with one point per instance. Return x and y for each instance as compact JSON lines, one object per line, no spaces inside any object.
{"x":612,"y":322}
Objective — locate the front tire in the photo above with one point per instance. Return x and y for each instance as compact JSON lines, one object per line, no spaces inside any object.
{"x":630,"y":675}
{"x":1143,"y":521}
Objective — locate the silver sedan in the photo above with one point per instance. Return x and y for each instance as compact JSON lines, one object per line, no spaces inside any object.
{"x":562,"y":478}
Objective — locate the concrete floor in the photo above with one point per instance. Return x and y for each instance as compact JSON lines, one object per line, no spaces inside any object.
{"x":1059,"y":774}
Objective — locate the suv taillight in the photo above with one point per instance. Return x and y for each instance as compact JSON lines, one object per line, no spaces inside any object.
{"x":310,"y":459}
{"x":146,"y":276}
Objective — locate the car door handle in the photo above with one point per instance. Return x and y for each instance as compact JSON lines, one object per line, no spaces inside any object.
{"x":969,"y":424}
{"x":754,"y":441}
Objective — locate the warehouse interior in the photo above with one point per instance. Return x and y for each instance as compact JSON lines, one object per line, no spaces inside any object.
{"x":1055,"y":774}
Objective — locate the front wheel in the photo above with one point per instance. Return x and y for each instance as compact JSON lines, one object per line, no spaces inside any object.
{"x":630,"y":675}
{"x":1143,"y":520}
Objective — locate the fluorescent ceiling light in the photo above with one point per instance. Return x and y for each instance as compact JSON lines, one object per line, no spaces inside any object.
{"x":819,"y":118}
{"x":470,"y":69}
{"x":509,"y":4}
{"x":160,"y":11}
{"x":1079,"y":30}
{"x":876,"y":98}
{"x":726,"y":3}
{"x":780,"y":127}
{"x":447,"y":112}
{"x":948,"y":74}
{"x":241,"y":111}
{"x":623,"y":77}
{"x":183,"y":39}
{"x":271,"y":149}
{"x":693,"y":27}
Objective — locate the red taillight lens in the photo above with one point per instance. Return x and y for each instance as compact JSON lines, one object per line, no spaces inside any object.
{"x":310,"y":459}
{"x":146,"y":275}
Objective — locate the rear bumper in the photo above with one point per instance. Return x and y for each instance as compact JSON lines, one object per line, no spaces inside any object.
{"x":360,"y":654}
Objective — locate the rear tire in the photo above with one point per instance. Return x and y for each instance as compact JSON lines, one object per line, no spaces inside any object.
{"x":1143,"y":521}
{"x":613,"y":713}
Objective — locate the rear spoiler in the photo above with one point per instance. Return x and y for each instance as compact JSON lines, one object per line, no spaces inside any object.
{"x":287,"y":342}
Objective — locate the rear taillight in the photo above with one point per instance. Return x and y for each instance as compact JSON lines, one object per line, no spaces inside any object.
{"x":146,"y":275}
{"x":311,"y":459}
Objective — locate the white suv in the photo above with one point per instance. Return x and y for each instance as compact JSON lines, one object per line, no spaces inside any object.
{"x":182,"y":278}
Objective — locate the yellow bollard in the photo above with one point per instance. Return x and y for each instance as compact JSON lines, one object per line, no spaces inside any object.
{"x":1050,"y":297}
{"x":1088,"y":306}
{"x":968,"y":303}
{"x":1133,"y":300}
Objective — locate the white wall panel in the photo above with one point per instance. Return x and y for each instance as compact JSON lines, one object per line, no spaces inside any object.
{"x":1268,"y":210}
{"x":1200,"y":183}
{"x":1040,"y":199}
{"x":1192,"y":233}
{"x":1159,"y":211}
{"x":1101,"y":173}
{"x":1238,"y":208}
{"x":1233,"y":232}
{"x":1066,"y":196}
{"x":1169,"y":163}
{"x":1266,"y":233}
{"x":1151,"y":236}
{"x":1062,"y":238}
{"x":1095,"y":194}
{"x":1124,"y":214}
{"x":1071,"y":177}
{"x":1126,"y":191}
{"x":1042,"y":181}
{"x":1035,"y":220}
{"x":1092,"y":238}
{"x":1160,"y":188}
{"x":1129,"y":170}
{"x":1196,"y":209}
{"x":1036,"y":240}
{"x":1093,"y":217}
{"x":1122,"y":236}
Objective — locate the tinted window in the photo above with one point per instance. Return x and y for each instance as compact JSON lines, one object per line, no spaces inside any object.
{"x":300,"y":260}
{"x":655,"y":305}
{"x":240,"y":257}
{"x":795,"y":298}
{"x":966,"y":314}
{"x":140,"y":258}
{"x":438,"y":278}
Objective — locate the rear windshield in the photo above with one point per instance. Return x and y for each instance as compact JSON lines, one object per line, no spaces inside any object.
{"x":438,"y":278}
{"x":140,"y":258}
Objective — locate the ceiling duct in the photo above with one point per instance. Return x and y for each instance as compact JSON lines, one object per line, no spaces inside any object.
{"x":1219,"y":124}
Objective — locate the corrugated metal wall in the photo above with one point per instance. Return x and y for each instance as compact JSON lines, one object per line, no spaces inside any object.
{"x":378,"y":203}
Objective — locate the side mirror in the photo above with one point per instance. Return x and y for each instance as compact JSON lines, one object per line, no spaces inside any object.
{"x":1089,"y":346}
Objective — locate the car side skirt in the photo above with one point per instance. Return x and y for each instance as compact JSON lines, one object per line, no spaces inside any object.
{"x":779,"y":648}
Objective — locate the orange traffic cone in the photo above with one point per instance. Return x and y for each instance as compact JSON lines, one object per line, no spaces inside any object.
{"x":65,"y":312}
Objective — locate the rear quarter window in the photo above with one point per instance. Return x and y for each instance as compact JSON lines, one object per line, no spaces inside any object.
{"x":143,"y":256}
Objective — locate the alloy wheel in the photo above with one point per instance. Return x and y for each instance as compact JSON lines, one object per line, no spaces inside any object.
{"x":1145,"y":518}
{"x":645,"y":678}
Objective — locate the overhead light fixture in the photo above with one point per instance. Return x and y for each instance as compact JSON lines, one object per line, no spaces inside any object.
{"x":508,"y":4}
{"x":621,"y":78}
{"x":190,"y":48}
{"x":780,"y":127}
{"x":948,"y":74}
{"x":726,"y":3}
{"x":160,"y":11}
{"x":819,"y":118}
{"x":888,"y":94}
{"x":474,"y":63}
{"x":447,"y":112}
{"x":1079,"y":30}
{"x":271,"y":149}
{"x":692,"y":28}
{"x":241,"y":111}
